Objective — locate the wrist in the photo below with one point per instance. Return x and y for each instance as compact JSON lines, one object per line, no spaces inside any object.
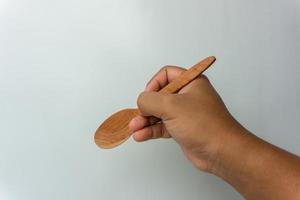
{"x":233,"y":150}
{"x":255,"y":168}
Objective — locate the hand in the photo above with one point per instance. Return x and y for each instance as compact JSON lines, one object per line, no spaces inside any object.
{"x":196,"y":118}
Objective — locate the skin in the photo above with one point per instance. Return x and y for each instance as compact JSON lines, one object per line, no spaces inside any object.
{"x":198,"y":120}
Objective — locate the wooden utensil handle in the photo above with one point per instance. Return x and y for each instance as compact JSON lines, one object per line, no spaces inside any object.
{"x":188,"y":76}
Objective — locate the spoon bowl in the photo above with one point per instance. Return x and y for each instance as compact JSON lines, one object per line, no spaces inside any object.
{"x":114,"y":130}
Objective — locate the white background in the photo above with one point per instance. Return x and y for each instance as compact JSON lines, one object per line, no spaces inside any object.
{"x":66,"y":65}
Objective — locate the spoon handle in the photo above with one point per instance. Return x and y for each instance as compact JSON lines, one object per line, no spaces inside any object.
{"x":188,"y":76}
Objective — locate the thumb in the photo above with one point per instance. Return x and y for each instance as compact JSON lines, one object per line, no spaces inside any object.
{"x":155,"y":104}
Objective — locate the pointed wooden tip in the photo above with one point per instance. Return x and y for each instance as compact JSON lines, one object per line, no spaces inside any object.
{"x":212,"y":58}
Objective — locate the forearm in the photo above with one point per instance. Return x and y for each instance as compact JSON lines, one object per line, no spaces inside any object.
{"x":257,"y":169}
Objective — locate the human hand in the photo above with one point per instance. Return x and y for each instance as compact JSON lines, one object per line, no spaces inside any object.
{"x":196,"y":118}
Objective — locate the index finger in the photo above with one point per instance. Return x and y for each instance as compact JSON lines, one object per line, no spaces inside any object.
{"x":165,"y":75}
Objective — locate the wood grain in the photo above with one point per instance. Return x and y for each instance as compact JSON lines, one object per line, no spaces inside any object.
{"x":114,"y":130}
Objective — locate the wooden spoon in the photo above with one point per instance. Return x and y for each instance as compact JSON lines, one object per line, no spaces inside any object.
{"x":114,"y":130}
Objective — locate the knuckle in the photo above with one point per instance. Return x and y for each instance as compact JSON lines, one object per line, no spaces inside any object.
{"x":204,"y":77}
{"x":165,"y":67}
